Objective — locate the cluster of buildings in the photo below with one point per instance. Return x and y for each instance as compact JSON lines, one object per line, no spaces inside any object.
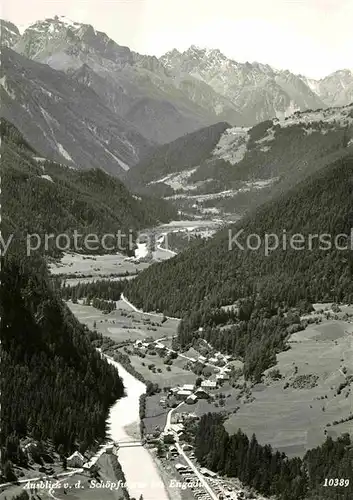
{"x":190,"y":393}
{"x":78,"y":461}
{"x":143,"y":346}
{"x":218,"y":359}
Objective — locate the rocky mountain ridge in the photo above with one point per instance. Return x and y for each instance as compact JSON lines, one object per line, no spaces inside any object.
{"x":9,"y":33}
{"x":134,"y":87}
{"x":65,"y":120}
{"x":202,"y":85}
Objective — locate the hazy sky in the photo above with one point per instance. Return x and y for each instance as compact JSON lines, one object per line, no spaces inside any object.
{"x":313,"y":37}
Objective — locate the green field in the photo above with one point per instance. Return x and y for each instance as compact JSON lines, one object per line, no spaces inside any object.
{"x":294,"y":419}
{"x":124,"y":324}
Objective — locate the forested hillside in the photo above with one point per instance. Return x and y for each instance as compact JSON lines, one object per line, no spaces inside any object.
{"x":272,"y":473}
{"x":54,"y":385}
{"x":212,"y":273}
{"x":289,"y":149}
{"x":245,"y":167}
{"x":46,"y":197}
{"x":196,"y":283}
{"x":185,"y":152}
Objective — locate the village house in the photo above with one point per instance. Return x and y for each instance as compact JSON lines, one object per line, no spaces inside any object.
{"x":177,"y":427}
{"x":191,"y":399}
{"x":75,"y":460}
{"x":207,"y":473}
{"x":208,"y":384}
{"x":91,"y":466}
{"x":202,"y":359}
{"x":173,"y":452}
{"x":181,"y":434}
{"x":29,"y":447}
{"x":182,"y":395}
{"x":201,"y":394}
{"x":180,"y":467}
{"x":188,"y":387}
{"x":185,"y":417}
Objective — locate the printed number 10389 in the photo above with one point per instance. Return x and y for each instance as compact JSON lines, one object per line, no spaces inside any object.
{"x":336,"y":482}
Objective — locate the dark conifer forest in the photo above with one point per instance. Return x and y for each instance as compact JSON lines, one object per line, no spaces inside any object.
{"x":54,"y":385}
{"x":271,"y":472}
{"x":55,"y":388}
{"x":213,"y":273}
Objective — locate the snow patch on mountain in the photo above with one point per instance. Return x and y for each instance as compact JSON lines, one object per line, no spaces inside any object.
{"x":7,"y":89}
{"x":63,"y":152}
{"x":46,"y":177}
{"x":121,"y":163}
{"x":49,"y":119}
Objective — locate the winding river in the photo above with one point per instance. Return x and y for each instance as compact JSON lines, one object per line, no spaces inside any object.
{"x":141,"y":473}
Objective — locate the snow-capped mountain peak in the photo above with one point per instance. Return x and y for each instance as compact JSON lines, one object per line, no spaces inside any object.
{"x":64,"y":43}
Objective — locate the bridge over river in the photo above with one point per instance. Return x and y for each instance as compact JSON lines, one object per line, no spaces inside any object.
{"x":128,"y":443}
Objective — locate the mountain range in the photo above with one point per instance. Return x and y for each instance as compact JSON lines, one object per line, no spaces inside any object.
{"x":151,"y":101}
{"x":66,"y":120}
